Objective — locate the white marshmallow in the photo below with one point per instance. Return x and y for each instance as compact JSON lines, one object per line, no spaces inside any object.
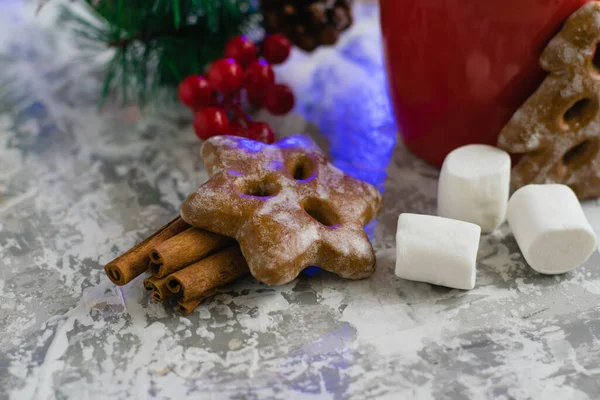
{"x":474,"y":186}
{"x":550,"y":228}
{"x":437,"y":250}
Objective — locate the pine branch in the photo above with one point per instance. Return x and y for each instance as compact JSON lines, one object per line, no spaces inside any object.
{"x":190,"y":30}
{"x":158,"y":42}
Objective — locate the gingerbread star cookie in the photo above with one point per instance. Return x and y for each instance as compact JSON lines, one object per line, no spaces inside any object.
{"x":287,"y":207}
{"x":558,"y":128}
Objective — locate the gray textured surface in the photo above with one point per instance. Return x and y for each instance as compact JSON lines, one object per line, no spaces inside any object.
{"x":77,"y":188}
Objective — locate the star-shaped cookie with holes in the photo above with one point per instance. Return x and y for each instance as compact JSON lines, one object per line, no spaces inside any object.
{"x":287,"y":207}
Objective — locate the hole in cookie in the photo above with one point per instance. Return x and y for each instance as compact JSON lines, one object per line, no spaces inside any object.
{"x":581,"y":154}
{"x":260,"y":189}
{"x":321,"y":212}
{"x":580,"y":113}
{"x":303,"y":169}
{"x":596,"y":58}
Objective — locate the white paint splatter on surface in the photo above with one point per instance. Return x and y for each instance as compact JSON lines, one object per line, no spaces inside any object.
{"x":80,"y":187}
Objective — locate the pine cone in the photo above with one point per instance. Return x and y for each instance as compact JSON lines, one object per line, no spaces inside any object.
{"x":308,"y":23}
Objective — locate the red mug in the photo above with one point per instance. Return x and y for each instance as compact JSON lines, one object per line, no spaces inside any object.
{"x":459,"y":69}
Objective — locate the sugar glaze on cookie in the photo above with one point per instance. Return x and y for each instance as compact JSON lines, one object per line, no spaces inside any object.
{"x":558,"y":128}
{"x":287,"y":206}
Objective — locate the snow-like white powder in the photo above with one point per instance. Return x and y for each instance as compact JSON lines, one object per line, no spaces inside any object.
{"x":70,"y":333}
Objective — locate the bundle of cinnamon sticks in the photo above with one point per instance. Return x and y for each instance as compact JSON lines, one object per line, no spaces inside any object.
{"x":186,"y":263}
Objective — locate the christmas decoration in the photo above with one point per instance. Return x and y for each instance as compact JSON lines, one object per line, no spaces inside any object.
{"x":307,"y":23}
{"x":157,"y":43}
{"x":225,"y":76}
{"x":217,"y":98}
{"x":276,"y":49}
{"x":258,"y":76}
{"x":160,"y":42}
{"x":279,"y":100}
{"x":241,"y":49}
{"x":195,"y":92}
{"x":211,"y":121}
{"x":260,"y":132}
{"x":556,"y":129}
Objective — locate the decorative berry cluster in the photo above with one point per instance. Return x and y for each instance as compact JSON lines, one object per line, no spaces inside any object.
{"x":216,"y":98}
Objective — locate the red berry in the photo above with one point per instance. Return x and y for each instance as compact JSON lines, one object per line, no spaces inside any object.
{"x":209,"y":122}
{"x":241,"y":49}
{"x":195,"y":91}
{"x":226,"y":76}
{"x":279,"y":100}
{"x":256,"y":97}
{"x":258,"y":76}
{"x":276,"y":49}
{"x":237,"y":130}
{"x":213,"y":101}
{"x":261,"y":131}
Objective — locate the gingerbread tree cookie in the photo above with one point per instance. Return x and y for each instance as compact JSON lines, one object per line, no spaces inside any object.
{"x":287,"y":207}
{"x":558,"y":128}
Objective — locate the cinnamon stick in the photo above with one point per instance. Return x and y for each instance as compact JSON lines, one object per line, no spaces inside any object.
{"x":186,"y":307}
{"x":184,"y":249}
{"x":195,"y":280}
{"x":132,"y":263}
{"x":159,"y":288}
